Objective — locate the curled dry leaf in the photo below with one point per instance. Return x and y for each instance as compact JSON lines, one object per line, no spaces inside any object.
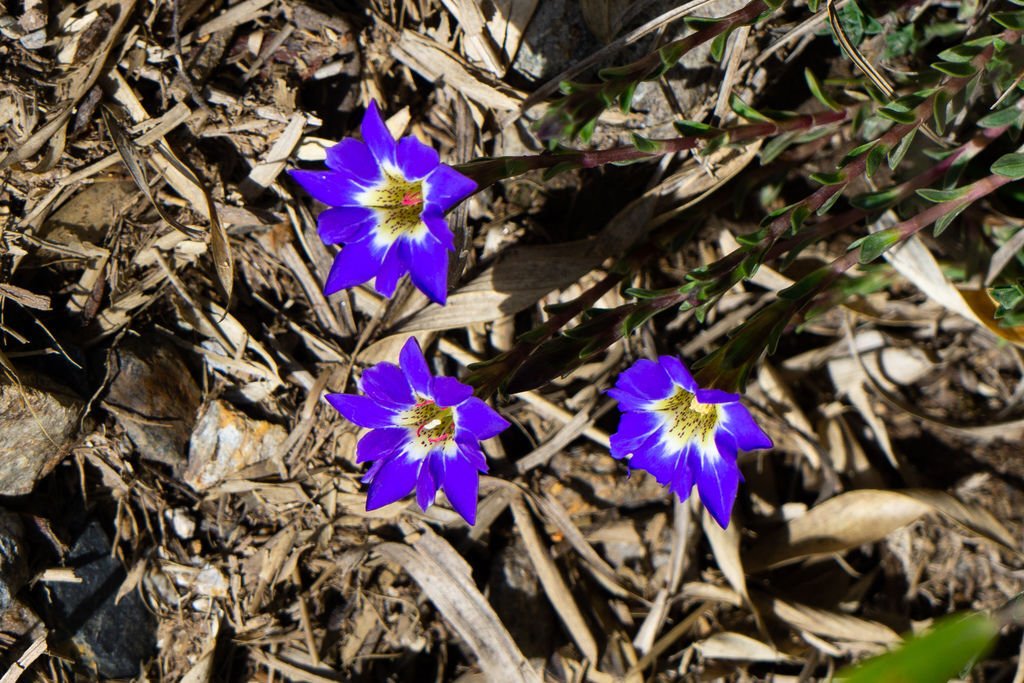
{"x":858,"y":517}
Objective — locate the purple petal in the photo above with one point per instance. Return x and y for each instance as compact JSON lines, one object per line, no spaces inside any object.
{"x":634,"y":430}
{"x":428,"y":266}
{"x":415,"y":367}
{"x":357,"y":263}
{"x":393,"y":480}
{"x":361,"y":410}
{"x":333,"y":188}
{"x":715,"y":396}
{"x":343,"y":224}
{"x":642,"y":383}
{"x":354,"y":157}
{"x":654,"y":458}
{"x":461,"y":483}
{"x":738,"y":421}
{"x":438,"y":226}
{"x":448,"y":391}
{"x":479,"y":418}
{"x":685,"y":470}
{"x":377,"y":136}
{"x":446,"y":187}
{"x":391,"y":269}
{"x":385,"y":383}
{"x":678,"y":372}
{"x":718,"y":477}
{"x":469,"y":448}
{"x":380,"y":443}
{"x":429,"y":480}
{"x":415,"y":159}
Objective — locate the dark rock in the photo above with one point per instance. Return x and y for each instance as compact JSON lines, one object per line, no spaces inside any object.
{"x":13,"y":567}
{"x":37,"y":425}
{"x":153,"y":397}
{"x":113,"y":639}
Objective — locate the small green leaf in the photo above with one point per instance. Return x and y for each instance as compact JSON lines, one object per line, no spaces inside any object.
{"x":819,"y":94}
{"x":806,"y":285}
{"x":1004,"y":117}
{"x":834,"y":178}
{"x":1011,"y":20}
{"x":694,"y":128}
{"x":951,"y":646}
{"x":961,"y":53}
{"x":824,"y":208}
{"x":956,"y":69}
{"x":944,"y":222}
{"x":698,"y":23}
{"x":873,"y":201}
{"x":875,"y":244}
{"x":645,"y":144}
{"x":776,"y":146}
{"x":626,"y":98}
{"x":718,"y":46}
{"x":614,"y":73}
{"x":797,"y":218}
{"x":939,"y":196}
{"x":897,"y":114}
{"x":744,"y":110}
{"x":940,"y":106}
{"x":856,"y":152}
{"x":875,"y":159}
{"x":900,"y":151}
{"x":1009,"y":166}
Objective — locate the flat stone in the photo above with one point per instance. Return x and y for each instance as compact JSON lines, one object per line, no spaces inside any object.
{"x":225,"y":441}
{"x":112,"y":638}
{"x":37,"y":426}
{"x":154,"y":399}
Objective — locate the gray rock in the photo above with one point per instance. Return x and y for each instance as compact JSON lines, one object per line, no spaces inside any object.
{"x":113,"y":638}
{"x":37,"y":426}
{"x":226,"y":441}
{"x":153,"y":397}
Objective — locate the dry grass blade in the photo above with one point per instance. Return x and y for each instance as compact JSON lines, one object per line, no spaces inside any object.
{"x":858,"y":517}
{"x":134,"y":164}
{"x":447,"y":581}
{"x":551,"y":579}
{"x":34,"y":651}
{"x":220,"y":249}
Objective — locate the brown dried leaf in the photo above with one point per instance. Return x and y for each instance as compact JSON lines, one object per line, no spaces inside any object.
{"x":858,"y":517}
{"x":447,"y":580}
{"x":554,"y":586}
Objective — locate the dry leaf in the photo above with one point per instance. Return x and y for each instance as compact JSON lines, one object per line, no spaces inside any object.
{"x":447,"y":580}
{"x":858,"y":517}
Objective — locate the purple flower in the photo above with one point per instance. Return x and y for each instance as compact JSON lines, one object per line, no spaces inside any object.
{"x":426,"y":433}
{"x":682,"y":434}
{"x":388,"y":200}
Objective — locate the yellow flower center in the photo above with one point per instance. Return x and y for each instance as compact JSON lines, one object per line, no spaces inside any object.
{"x":431,"y":425}
{"x":686,"y":419}
{"x":398,"y":203}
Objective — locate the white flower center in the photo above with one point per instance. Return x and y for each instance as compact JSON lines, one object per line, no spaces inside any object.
{"x":431,"y":426}
{"x":399,"y":205}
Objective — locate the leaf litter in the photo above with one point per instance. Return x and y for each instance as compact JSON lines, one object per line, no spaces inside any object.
{"x":892,"y":498}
